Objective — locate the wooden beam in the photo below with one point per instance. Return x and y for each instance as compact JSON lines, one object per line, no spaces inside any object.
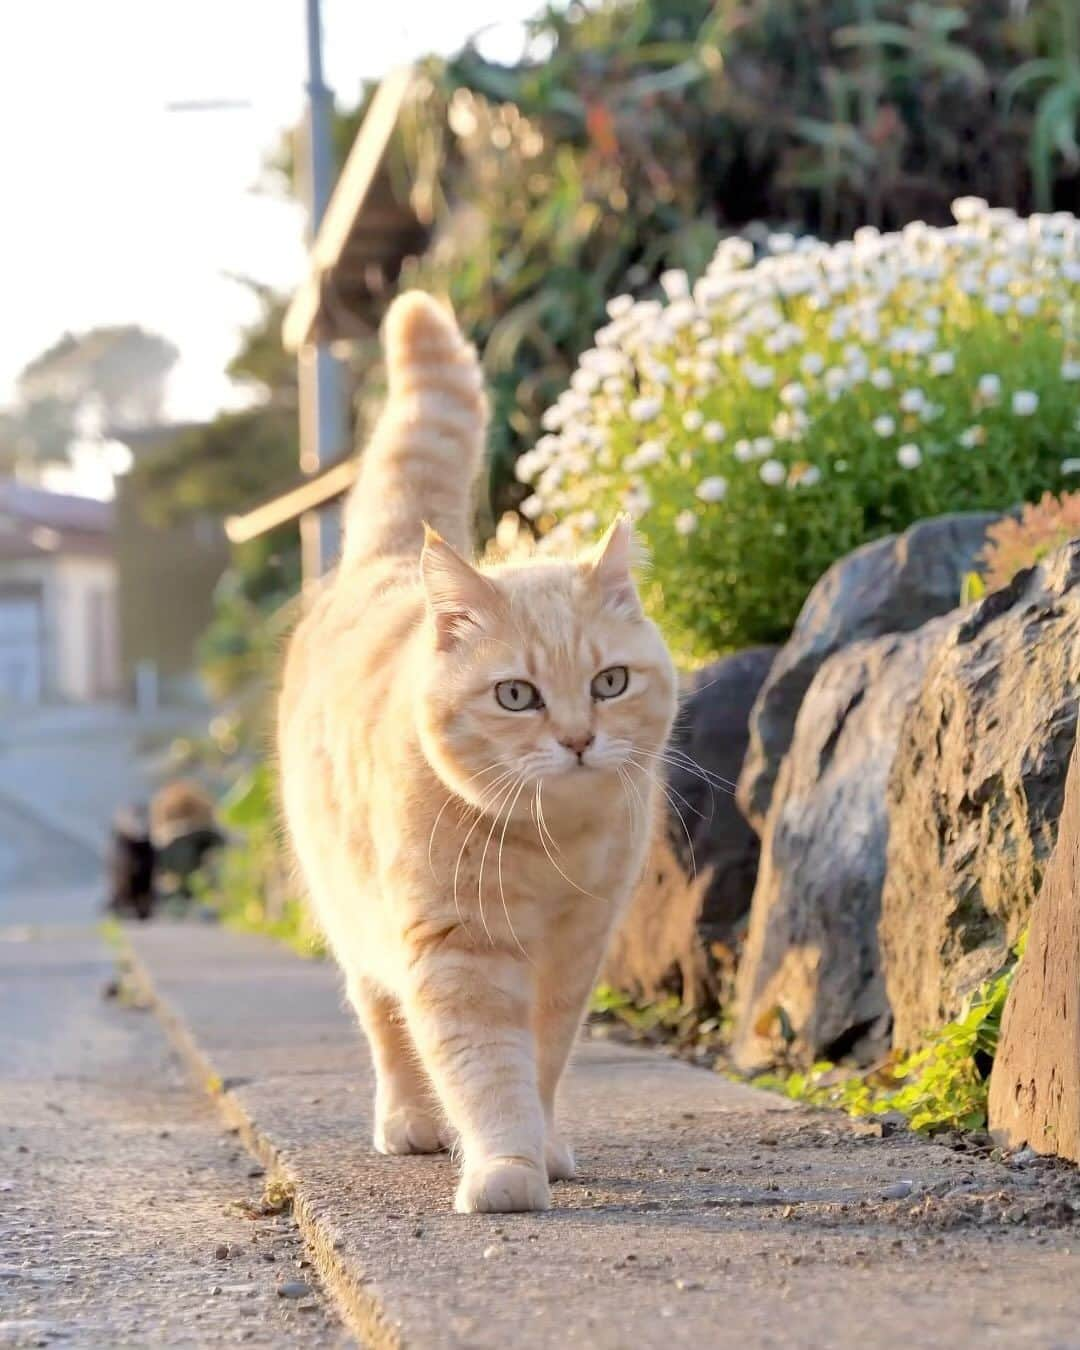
{"x":345,"y":206}
{"x":317,"y":491}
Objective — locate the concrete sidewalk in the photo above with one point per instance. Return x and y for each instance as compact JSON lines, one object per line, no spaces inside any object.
{"x":705,"y":1214}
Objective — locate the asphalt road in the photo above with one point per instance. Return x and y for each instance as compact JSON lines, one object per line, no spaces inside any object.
{"x":45,"y":877}
{"x":128,"y":1214}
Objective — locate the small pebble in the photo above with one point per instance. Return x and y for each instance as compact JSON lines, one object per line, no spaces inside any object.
{"x":221,"y":1251}
{"x":293,"y":1289}
{"x":899,"y":1190}
{"x":491,"y":1251}
{"x":687,"y":1286}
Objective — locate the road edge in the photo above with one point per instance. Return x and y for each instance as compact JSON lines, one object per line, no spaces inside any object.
{"x":362,"y":1312}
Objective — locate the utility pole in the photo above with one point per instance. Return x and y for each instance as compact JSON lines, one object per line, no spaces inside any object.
{"x":323,"y":428}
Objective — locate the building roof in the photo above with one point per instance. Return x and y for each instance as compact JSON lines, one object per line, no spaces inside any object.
{"x":35,"y":523}
{"x":365,"y":235}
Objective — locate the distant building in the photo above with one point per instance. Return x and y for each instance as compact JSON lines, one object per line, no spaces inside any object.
{"x":166,"y":574}
{"x":58,"y":615}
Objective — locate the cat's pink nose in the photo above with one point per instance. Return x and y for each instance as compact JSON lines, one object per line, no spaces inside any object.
{"x":578,"y":744}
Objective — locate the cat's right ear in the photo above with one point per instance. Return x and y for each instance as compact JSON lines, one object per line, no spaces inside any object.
{"x":460,"y":599}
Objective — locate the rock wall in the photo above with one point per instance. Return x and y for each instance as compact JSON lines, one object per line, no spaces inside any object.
{"x":1035,"y":1085}
{"x":892,"y":585}
{"x":976,"y":791}
{"x":812,"y":948}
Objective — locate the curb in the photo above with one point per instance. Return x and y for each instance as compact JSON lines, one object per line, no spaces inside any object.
{"x":360,"y":1309}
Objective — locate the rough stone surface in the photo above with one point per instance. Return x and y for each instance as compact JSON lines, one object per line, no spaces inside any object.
{"x":892,"y":585}
{"x":812,"y":950}
{"x":1035,"y":1085}
{"x":704,"y":1213}
{"x":976,"y":791}
{"x":700,"y":877}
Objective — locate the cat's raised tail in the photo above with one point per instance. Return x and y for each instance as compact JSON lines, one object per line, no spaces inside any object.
{"x":421,"y":462}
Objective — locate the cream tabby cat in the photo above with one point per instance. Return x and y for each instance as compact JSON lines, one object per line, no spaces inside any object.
{"x":467,"y":775}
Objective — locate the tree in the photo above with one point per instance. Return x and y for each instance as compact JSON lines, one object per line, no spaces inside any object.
{"x":83,"y":385}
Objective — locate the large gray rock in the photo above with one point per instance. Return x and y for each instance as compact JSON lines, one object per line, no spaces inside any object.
{"x":1035,"y":1085}
{"x":810,"y":981}
{"x":976,"y":791}
{"x":700,"y":877}
{"x":892,"y":585}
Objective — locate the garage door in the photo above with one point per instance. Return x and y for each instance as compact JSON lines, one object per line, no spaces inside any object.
{"x":20,"y":649}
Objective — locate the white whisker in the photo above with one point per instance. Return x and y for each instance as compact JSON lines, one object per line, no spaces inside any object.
{"x":483,"y":856}
{"x":663,"y":788}
{"x":502,"y":892}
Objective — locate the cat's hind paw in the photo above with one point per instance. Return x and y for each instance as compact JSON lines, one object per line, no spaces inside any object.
{"x":502,"y":1186}
{"x":559,"y":1157}
{"x":411,"y":1129}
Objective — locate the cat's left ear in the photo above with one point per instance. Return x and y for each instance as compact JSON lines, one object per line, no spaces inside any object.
{"x":460,"y":599}
{"x":609,"y":566}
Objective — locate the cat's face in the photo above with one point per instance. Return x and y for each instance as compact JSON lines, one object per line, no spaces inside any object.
{"x":544,"y":673}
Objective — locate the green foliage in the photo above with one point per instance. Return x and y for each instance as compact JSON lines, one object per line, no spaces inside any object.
{"x":637,"y":131}
{"x":942,"y":1086}
{"x":790,"y":409}
{"x":251,"y":888}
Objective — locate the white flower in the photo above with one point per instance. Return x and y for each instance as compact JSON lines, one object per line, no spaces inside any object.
{"x":912,"y":401}
{"x":972,"y":437}
{"x":998,"y":303}
{"x":619,"y":306}
{"x":648,"y":452}
{"x":836,"y":381}
{"x":989,"y":388}
{"x":813,"y":363}
{"x":645,"y":409}
{"x":1027,"y":305}
{"x":1070,"y":466}
{"x":793,"y":395}
{"x":772,"y":473}
{"x":763,"y":445}
{"x":744,"y":451}
{"x":966,"y":209}
{"x":1070,"y":370}
{"x":676,"y":284}
{"x":759,"y":377}
{"x":884,"y":426}
{"x":693,"y":419}
{"x":809,"y":477}
{"x":713,"y":432}
{"x":712,"y":489}
{"x":1025,"y":402}
{"x":881,"y":378}
{"x":942,"y":363}
{"x":531,"y":507}
{"x":909,"y":456}
{"x":686,"y":522}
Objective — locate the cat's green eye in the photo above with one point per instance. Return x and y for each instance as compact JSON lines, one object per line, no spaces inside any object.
{"x":610,"y":683}
{"x":518,"y":695}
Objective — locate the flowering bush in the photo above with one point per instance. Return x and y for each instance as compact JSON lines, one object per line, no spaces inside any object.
{"x":1043,"y":528}
{"x":781,"y":412}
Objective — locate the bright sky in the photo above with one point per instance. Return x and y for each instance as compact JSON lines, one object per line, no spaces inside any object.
{"x":116,"y":210}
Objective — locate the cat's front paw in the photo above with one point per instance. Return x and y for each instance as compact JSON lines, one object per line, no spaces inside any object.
{"x":502,"y":1186}
{"x":411,"y":1129}
{"x":559,"y":1157}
